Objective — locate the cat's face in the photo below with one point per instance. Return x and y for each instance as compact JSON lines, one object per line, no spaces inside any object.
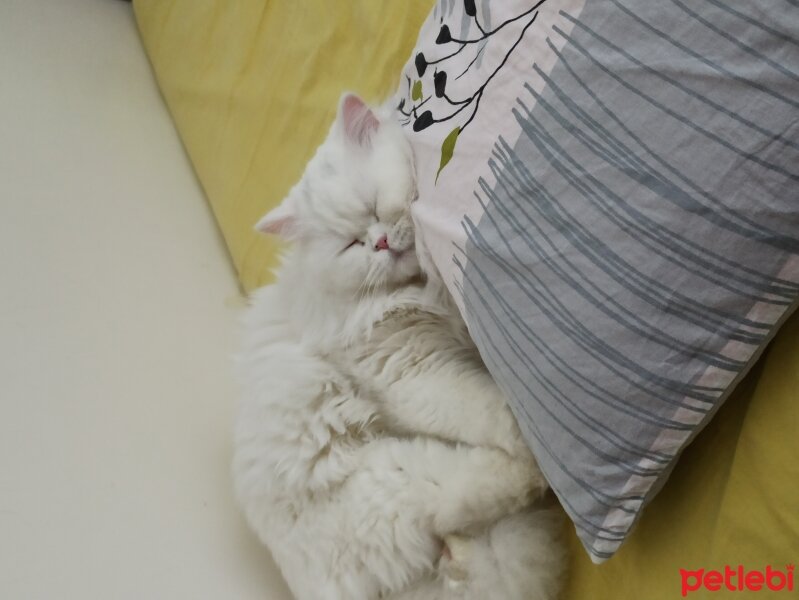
{"x":349,"y":216}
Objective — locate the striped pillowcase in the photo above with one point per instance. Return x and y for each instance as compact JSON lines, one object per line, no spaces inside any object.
{"x":609,"y":189}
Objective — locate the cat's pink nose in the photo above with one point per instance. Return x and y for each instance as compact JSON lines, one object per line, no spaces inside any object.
{"x":382,"y":243}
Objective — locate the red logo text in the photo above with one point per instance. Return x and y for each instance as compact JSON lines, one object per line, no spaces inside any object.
{"x":737,"y":579}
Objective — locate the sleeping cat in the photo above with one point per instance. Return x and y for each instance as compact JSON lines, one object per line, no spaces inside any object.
{"x":373,"y":453}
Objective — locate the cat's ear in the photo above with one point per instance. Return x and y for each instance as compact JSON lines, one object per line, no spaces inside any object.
{"x":358,"y":122}
{"x":281,"y":220}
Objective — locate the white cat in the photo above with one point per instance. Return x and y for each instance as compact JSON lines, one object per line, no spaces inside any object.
{"x":373,"y":453}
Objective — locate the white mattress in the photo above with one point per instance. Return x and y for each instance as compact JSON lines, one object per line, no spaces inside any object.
{"x":117,"y":319}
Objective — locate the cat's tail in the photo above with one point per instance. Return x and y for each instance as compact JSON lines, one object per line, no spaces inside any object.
{"x":520,"y":557}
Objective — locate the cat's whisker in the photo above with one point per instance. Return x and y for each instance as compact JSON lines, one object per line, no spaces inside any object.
{"x":365,"y":287}
{"x":371,"y":280}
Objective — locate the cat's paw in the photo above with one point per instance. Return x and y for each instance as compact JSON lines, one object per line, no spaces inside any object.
{"x":537,"y":484}
{"x":524,"y":484}
{"x":455,"y":557}
{"x":490,"y":485}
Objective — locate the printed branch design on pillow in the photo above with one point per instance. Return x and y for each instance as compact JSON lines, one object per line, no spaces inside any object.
{"x":609,"y":189}
{"x":467,"y":107}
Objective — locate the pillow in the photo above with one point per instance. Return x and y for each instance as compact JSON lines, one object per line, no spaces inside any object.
{"x":609,"y":189}
{"x":731,"y":500}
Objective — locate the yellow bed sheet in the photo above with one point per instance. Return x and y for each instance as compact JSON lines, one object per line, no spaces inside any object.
{"x":252,"y":86}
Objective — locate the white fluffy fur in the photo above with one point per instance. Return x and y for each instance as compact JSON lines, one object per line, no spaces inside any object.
{"x":370,"y":436}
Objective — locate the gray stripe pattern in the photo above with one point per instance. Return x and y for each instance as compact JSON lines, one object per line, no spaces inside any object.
{"x":640,"y":240}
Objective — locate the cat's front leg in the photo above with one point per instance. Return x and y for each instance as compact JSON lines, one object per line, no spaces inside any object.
{"x":456,"y":400}
{"x":456,"y":487}
{"x":429,"y":380}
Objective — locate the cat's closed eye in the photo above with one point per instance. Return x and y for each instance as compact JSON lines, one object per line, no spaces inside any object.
{"x":353,"y":243}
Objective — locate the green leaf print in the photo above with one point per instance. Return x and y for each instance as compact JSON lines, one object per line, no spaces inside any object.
{"x":447,"y":149}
